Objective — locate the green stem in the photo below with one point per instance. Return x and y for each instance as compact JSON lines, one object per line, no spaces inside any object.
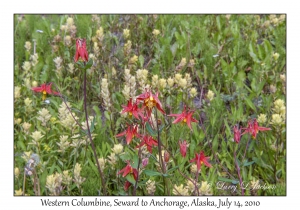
{"x":90,"y":137}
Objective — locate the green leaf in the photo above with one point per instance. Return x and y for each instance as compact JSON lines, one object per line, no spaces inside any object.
{"x":135,"y":161}
{"x":130,"y":178}
{"x":88,"y":64}
{"x":141,"y":60}
{"x":250,"y":104}
{"x":151,"y":173}
{"x":228,"y":180}
{"x":150,"y":130}
{"x":125,"y":156}
{"x":248,"y":163}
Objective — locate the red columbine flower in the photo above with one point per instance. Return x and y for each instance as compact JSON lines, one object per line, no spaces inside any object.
{"x":199,"y":159}
{"x":148,"y":141}
{"x":131,"y":108}
{"x":127,"y":185}
{"x":45,"y":89}
{"x":185,"y":117}
{"x":130,"y":133}
{"x":183,"y":146}
{"x":253,"y":128}
{"x":150,"y":101}
{"x":129,"y":170}
{"x":81,"y":51}
{"x":237,"y":133}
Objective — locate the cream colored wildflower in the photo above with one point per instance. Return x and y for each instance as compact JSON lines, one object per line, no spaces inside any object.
{"x":142,"y":75}
{"x":118,"y":148}
{"x":276,"y":119}
{"x":105,"y":94}
{"x":100,"y":34}
{"x":19,"y":192}
{"x":154,"y":81}
{"x":36,"y":135}
{"x":279,"y":107}
{"x":66,"y":178}
{"x":70,"y":22}
{"x":170,"y":82}
{"x":150,"y":187}
{"x":34,"y":84}
{"x":78,"y":180}
{"x":112,"y":159}
{"x":227,"y":17}
{"x":155,"y":32}
{"x":281,"y":18}
{"x":180,"y":190}
{"x":76,"y":141}
{"x":210,"y":95}
{"x":63,"y":143}
{"x":58,"y":62}
{"x":193,"y":92}
{"x":26,"y":156}
{"x":44,"y":116}
{"x":53,"y":184}
{"x":77,"y":170}
{"x":26,"y":126}
{"x":34,"y":59}
{"x":126,"y":92}
{"x":188,"y":80}
{"x":17,"y":172}
{"x":133,"y":59}
{"x":193,"y":169}
{"x":27,"y":46}
{"x":205,"y":188}
{"x":90,"y":121}
{"x":26,"y":66}
{"x":68,"y":40}
{"x":18,"y":121}
{"x":102,"y":162}
{"x":262,"y":118}
{"x":27,"y":102}
{"x":190,"y":186}
{"x":27,"y":82}
{"x":127,"y":48}
{"x":266,"y":24}
{"x":191,"y":63}
{"x":275,"y":21}
{"x":177,"y":78}
{"x":182,"y":83}
{"x":162,"y":83}
{"x":282,"y":77}
{"x":71,"y":68}
{"x":275,"y":56}
{"x":126,"y":33}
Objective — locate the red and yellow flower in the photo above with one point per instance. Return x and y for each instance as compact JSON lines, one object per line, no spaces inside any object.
{"x":45,"y":89}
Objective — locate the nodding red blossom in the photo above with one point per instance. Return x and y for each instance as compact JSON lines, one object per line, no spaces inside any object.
{"x":199,"y":159}
{"x":149,"y":142}
{"x":131,"y":108}
{"x":185,"y":117}
{"x":81,"y":51}
{"x":127,"y":185}
{"x":253,"y":128}
{"x":237,"y":133}
{"x":45,"y":89}
{"x":183,"y":146}
{"x":149,"y":101}
{"x":130,"y":133}
{"x":129,"y":170}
